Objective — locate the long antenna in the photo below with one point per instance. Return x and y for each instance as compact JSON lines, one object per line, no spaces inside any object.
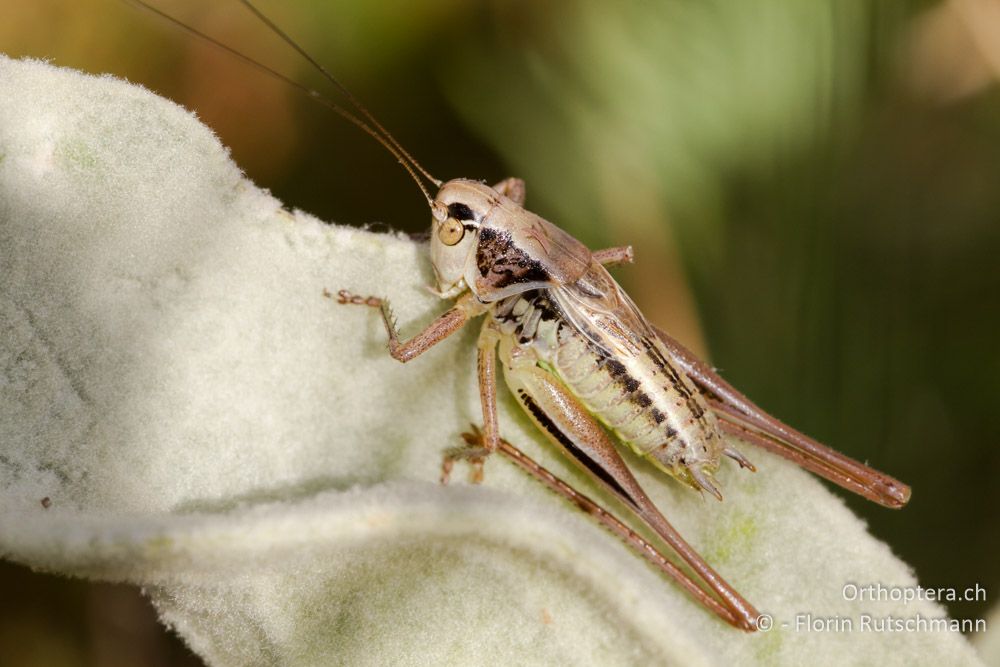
{"x":381,"y":134}
{"x":341,"y":87}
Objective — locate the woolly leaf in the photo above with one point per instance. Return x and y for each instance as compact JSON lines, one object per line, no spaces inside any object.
{"x":203,"y":421}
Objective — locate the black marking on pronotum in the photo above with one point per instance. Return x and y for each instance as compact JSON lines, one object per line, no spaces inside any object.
{"x":574,"y":451}
{"x":486,"y":253}
{"x":509,"y":265}
{"x":460,"y":211}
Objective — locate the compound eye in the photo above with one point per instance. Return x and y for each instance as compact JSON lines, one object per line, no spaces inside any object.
{"x":451,"y":231}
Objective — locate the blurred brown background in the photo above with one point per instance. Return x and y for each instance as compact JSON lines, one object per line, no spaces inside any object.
{"x":813,"y":190}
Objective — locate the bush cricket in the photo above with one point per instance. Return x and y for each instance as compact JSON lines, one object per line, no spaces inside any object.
{"x":580,"y":359}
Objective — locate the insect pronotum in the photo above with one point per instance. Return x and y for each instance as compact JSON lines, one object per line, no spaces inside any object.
{"x":581,"y":360}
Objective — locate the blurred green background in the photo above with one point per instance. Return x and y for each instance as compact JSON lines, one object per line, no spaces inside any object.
{"x":813,"y":189}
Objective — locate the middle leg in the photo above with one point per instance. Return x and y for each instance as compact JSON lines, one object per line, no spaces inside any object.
{"x":487,"y":440}
{"x":614,"y":256}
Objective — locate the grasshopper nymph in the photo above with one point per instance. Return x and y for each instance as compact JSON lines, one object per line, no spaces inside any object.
{"x":582,"y":361}
{"x":579,"y":356}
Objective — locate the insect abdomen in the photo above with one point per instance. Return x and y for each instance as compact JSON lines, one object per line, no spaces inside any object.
{"x":646,"y":402}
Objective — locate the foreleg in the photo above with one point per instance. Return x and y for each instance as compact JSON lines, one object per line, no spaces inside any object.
{"x":444,"y":326}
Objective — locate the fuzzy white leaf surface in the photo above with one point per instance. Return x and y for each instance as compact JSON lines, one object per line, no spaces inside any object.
{"x":207,"y":424}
